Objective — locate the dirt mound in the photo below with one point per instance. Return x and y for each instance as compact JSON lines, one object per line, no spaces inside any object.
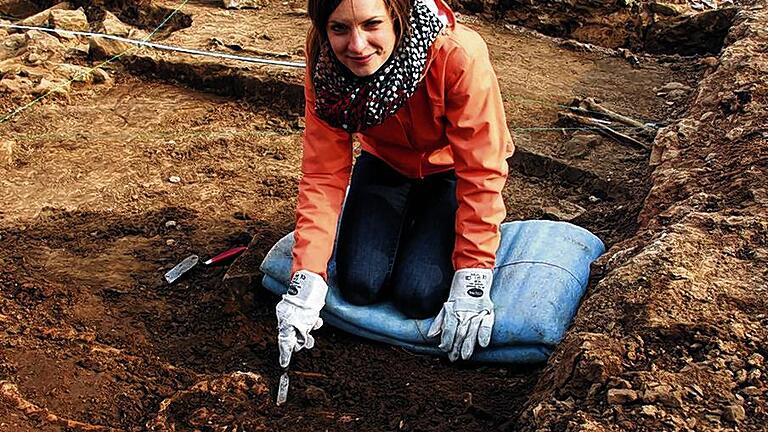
{"x":683,"y":27}
{"x":673,"y":335}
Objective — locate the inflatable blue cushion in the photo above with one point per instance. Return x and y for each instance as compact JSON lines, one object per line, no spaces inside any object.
{"x":542,"y":269}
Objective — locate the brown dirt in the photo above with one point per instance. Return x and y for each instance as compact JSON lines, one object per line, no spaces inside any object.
{"x":92,"y":338}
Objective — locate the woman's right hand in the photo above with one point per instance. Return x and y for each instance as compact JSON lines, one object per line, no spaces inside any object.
{"x":298,"y":313}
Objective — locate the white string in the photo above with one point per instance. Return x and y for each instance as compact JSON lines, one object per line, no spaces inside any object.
{"x":164,"y":47}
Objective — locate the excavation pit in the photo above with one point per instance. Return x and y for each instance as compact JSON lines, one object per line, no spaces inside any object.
{"x":92,"y":336}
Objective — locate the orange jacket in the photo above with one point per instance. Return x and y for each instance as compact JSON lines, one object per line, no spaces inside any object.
{"x":454,"y":120}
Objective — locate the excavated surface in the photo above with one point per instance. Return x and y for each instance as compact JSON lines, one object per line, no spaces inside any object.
{"x":110,"y":181}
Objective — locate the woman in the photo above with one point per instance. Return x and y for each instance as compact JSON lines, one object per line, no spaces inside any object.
{"x":421,"y":218}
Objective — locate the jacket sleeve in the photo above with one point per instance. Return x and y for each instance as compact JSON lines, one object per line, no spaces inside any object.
{"x":480,"y":141}
{"x":326,"y":165}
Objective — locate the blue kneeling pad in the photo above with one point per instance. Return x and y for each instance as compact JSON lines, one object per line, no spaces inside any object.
{"x":542,"y":270}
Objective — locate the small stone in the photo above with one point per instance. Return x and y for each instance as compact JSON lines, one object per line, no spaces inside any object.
{"x":710,"y":61}
{"x":676,"y":421}
{"x":101,"y":48}
{"x":6,"y":152}
{"x":48,"y":87}
{"x":79,"y":50}
{"x":670,"y":86}
{"x":316,"y":395}
{"x":12,"y":43}
{"x":734,"y":134}
{"x":734,"y":413}
{"x":677,"y":94}
{"x":713,"y":418}
{"x":579,"y":146}
{"x":619,"y":383}
{"x":537,"y":410}
{"x":73,"y":72}
{"x":74,"y":20}
{"x":298,"y":12}
{"x":740,"y":376}
{"x":594,"y":199}
{"x":37,"y":20}
{"x":751,"y":391}
{"x":663,"y":394}
{"x":621,"y":396}
{"x":565,"y":211}
{"x":100,"y":76}
{"x":34,"y":58}
{"x":112,"y":25}
{"x":687,"y":128}
{"x":755,"y":360}
{"x":170,"y":224}
{"x":174,"y":179}
{"x":170,"y":242}
{"x":695,"y":391}
{"x":754,"y":375}
{"x":649,"y":410}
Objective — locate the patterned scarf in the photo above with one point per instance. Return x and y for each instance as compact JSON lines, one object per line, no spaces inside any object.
{"x":354,"y":103}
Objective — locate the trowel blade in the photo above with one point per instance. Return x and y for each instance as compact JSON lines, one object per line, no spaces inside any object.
{"x":181,"y":268}
{"x":282,"y":389}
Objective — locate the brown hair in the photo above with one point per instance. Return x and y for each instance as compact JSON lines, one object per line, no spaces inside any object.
{"x":320,"y":11}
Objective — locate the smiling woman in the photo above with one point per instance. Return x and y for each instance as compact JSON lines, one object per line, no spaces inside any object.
{"x":421,"y":217}
{"x":387,"y":19}
{"x":362,"y":38}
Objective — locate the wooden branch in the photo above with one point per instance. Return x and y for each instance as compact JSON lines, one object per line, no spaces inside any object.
{"x":309,"y":374}
{"x":605,"y":130}
{"x":592,"y":105}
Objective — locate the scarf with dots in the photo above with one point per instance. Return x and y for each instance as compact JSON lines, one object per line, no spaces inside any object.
{"x":354,"y":103}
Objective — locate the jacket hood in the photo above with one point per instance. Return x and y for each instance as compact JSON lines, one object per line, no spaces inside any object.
{"x":443,"y":12}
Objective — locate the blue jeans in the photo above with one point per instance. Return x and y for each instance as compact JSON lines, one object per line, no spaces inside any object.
{"x":396,"y":238}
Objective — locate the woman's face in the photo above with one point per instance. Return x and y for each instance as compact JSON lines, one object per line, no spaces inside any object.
{"x":362,"y":35}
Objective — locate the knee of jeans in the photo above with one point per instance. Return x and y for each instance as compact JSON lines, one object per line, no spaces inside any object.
{"x":418,"y":305}
{"x":419,"y":291}
{"x":419,"y":299}
{"x":359,"y":288}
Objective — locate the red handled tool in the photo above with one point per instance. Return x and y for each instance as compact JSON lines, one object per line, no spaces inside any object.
{"x":226,"y":255}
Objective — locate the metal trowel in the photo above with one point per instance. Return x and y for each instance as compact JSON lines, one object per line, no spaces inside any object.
{"x":181,"y":268}
{"x":282,"y":388}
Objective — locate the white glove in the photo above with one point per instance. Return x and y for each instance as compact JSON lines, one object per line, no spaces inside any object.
{"x":467,"y":317}
{"x":298,"y":313}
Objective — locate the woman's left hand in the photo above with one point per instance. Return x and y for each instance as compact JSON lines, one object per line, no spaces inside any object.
{"x":467,"y":317}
